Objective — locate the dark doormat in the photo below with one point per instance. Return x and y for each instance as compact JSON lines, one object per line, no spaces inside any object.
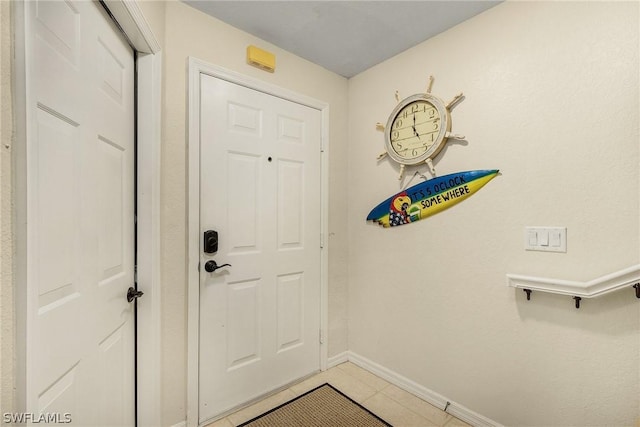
{"x":324,"y":406}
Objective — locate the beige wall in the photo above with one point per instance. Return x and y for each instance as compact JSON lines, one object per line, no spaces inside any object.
{"x":192,"y":33}
{"x":552,"y":101}
{"x":6,"y":239}
{"x":154,"y":14}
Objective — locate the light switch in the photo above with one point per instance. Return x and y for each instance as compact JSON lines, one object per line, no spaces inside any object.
{"x":545,"y":239}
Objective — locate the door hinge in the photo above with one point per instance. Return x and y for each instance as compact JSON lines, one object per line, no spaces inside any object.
{"x":320,"y":337}
{"x":321,"y":240}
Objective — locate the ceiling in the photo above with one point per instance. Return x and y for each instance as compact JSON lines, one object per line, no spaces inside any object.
{"x":346,"y":37}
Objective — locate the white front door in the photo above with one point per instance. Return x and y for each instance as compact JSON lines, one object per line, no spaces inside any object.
{"x":80,"y":215}
{"x":260,"y":191}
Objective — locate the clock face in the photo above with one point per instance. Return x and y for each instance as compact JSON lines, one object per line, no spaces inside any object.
{"x":416,"y":129}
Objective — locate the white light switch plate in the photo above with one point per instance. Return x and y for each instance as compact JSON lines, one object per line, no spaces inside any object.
{"x":546,"y":239}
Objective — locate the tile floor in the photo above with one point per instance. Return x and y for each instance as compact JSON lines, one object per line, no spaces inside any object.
{"x":396,"y":406}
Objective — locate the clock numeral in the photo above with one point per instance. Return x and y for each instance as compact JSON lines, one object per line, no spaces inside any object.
{"x":399,"y":146}
{"x":394,"y":135}
{"x":398,"y":124}
{"x":414,"y":152}
{"x":432,"y":112}
{"x":435,"y":126}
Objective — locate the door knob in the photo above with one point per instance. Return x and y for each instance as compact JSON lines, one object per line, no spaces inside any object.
{"x":133,"y":294}
{"x":211,"y":266}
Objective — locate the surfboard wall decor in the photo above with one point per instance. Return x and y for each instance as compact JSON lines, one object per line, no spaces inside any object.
{"x":429,"y":197}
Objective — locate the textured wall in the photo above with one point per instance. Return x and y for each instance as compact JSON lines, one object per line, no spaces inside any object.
{"x":6,"y":239}
{"x":552,"y":101}
{"x":192,"y":33}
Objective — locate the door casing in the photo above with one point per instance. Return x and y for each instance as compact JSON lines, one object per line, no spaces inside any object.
{"x":131,"y":19}
{"x":196,"y":68}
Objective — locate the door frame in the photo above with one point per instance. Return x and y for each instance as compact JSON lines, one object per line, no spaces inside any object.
{"x":196,"y":67}
{"x":130,"y":18}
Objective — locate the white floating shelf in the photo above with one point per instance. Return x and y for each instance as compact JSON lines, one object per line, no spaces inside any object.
{"x":591,"y":289}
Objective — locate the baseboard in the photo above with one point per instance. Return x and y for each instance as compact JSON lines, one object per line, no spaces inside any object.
{"x":457,"y":410}
{"x":337,"y":359}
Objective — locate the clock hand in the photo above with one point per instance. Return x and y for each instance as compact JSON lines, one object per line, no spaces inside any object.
{"x":414,"y":129}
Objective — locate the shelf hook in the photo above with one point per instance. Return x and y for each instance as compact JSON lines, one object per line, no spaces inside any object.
{"x":637,"y":287}
{"x":528,"y":292}
{"x":578,"y":299}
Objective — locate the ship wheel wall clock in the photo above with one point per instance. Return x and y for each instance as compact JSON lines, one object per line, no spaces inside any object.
{"x":418,"y":128}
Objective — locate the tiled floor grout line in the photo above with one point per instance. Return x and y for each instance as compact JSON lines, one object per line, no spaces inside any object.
{"x":362,"y":380}
{"x":386,"y":396}
{"x":381,"y":393}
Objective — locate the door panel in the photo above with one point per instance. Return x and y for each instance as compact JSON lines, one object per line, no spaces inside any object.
{"x":80,"y":211}
{"x":290,"y":204}
{"x":290,"y":311}
{"x":260,"y":189}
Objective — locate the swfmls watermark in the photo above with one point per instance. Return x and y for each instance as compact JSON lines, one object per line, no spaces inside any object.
{"x":29,"y":417}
